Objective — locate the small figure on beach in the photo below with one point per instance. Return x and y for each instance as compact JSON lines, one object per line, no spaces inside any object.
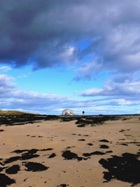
{"x":83,"y":113}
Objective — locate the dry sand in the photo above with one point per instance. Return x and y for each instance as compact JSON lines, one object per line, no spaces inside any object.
{"x":68,"y":153}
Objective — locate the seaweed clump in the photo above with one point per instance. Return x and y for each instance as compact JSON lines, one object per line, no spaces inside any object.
{"x":93,"y":120}
{"x":125,"y":168}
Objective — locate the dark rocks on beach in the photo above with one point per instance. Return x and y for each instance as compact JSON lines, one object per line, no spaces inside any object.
{"x":124,"y":144}
{"x":13,"y":169}
{"x":98,"y":120}
{"x":29,"y":154}
{"x":32,"y":151}
{"x":81,"y":139}
{"x":104,"y":146}
{"x":52,"y":155}
{"x":103,"y":140}
{"x":63,"y":185}
{"x":48,"y":149}
{"x":127,"y":143}
{"x":68,"y":155}
{"x":23,"y":118}
{"x":18,"y":151}
{"x":81,"y":125}
{"x":125,"y":168}
{"x":1,"y":166}
{"x":90,"y":144}
{"x":69,"y":147}
{"x":35,"y":167}
{"x":109,"y":151}
{"x":12,"y":159}
{"x":20,"y":118}
{"x":5,"y":180}
{"x":26,"y":154}
{"x":93,"y":153}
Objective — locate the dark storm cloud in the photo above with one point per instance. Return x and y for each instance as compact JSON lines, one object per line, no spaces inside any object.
{"x":47,"y":33}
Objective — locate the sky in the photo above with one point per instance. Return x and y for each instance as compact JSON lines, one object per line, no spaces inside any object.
{"x":77,"y":54}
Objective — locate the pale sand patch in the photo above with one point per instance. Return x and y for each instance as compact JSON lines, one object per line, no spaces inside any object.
{"x":62,"y":136}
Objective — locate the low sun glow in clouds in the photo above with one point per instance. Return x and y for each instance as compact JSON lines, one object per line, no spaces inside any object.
{"x":82,"y":55}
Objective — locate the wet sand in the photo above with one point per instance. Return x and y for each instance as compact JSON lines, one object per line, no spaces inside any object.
{"x":60,"y":154}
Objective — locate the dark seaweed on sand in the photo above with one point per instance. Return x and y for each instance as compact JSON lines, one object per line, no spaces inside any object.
{"x":5,"y":180}
{"x":68,"y":155}
{"x":13,"y":169}
{"x":125,"y":168}
{"x":24,"y":118}
{"x":35,"y":167}
{"x":93,"y":120}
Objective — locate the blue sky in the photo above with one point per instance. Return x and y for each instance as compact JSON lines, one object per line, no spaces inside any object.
{"x":80,"y":55}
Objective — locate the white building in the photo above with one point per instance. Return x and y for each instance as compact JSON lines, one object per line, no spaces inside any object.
{"x":68,"y":112}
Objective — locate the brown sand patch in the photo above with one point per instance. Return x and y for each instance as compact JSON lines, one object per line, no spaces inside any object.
{"x":49,"y":153}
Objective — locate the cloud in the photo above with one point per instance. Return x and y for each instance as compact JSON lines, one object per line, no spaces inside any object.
{"x":87,"y":70}
{"x":49,"y":33}
{"x":6,"y":85}
{"x":105,"y":101}
{"x":5,"y":68}
{"x":12,"y":98}
{"x":119,"y":95}
{"x":116,"y":88}
{"x":92,"y":38}
{"x":127,"y":102}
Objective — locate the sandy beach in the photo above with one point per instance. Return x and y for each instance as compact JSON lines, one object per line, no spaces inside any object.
{"x":61,"y":154}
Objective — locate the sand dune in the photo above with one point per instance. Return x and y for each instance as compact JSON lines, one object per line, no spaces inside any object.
{"x":59,"y":154}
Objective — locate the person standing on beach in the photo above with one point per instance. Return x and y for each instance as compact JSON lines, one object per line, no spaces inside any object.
{"x":83,"y":113}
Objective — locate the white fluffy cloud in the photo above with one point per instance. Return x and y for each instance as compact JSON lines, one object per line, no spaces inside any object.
{"x":6,"y":85}
{"x":127,"y":89}
{"x":12,"y":98}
